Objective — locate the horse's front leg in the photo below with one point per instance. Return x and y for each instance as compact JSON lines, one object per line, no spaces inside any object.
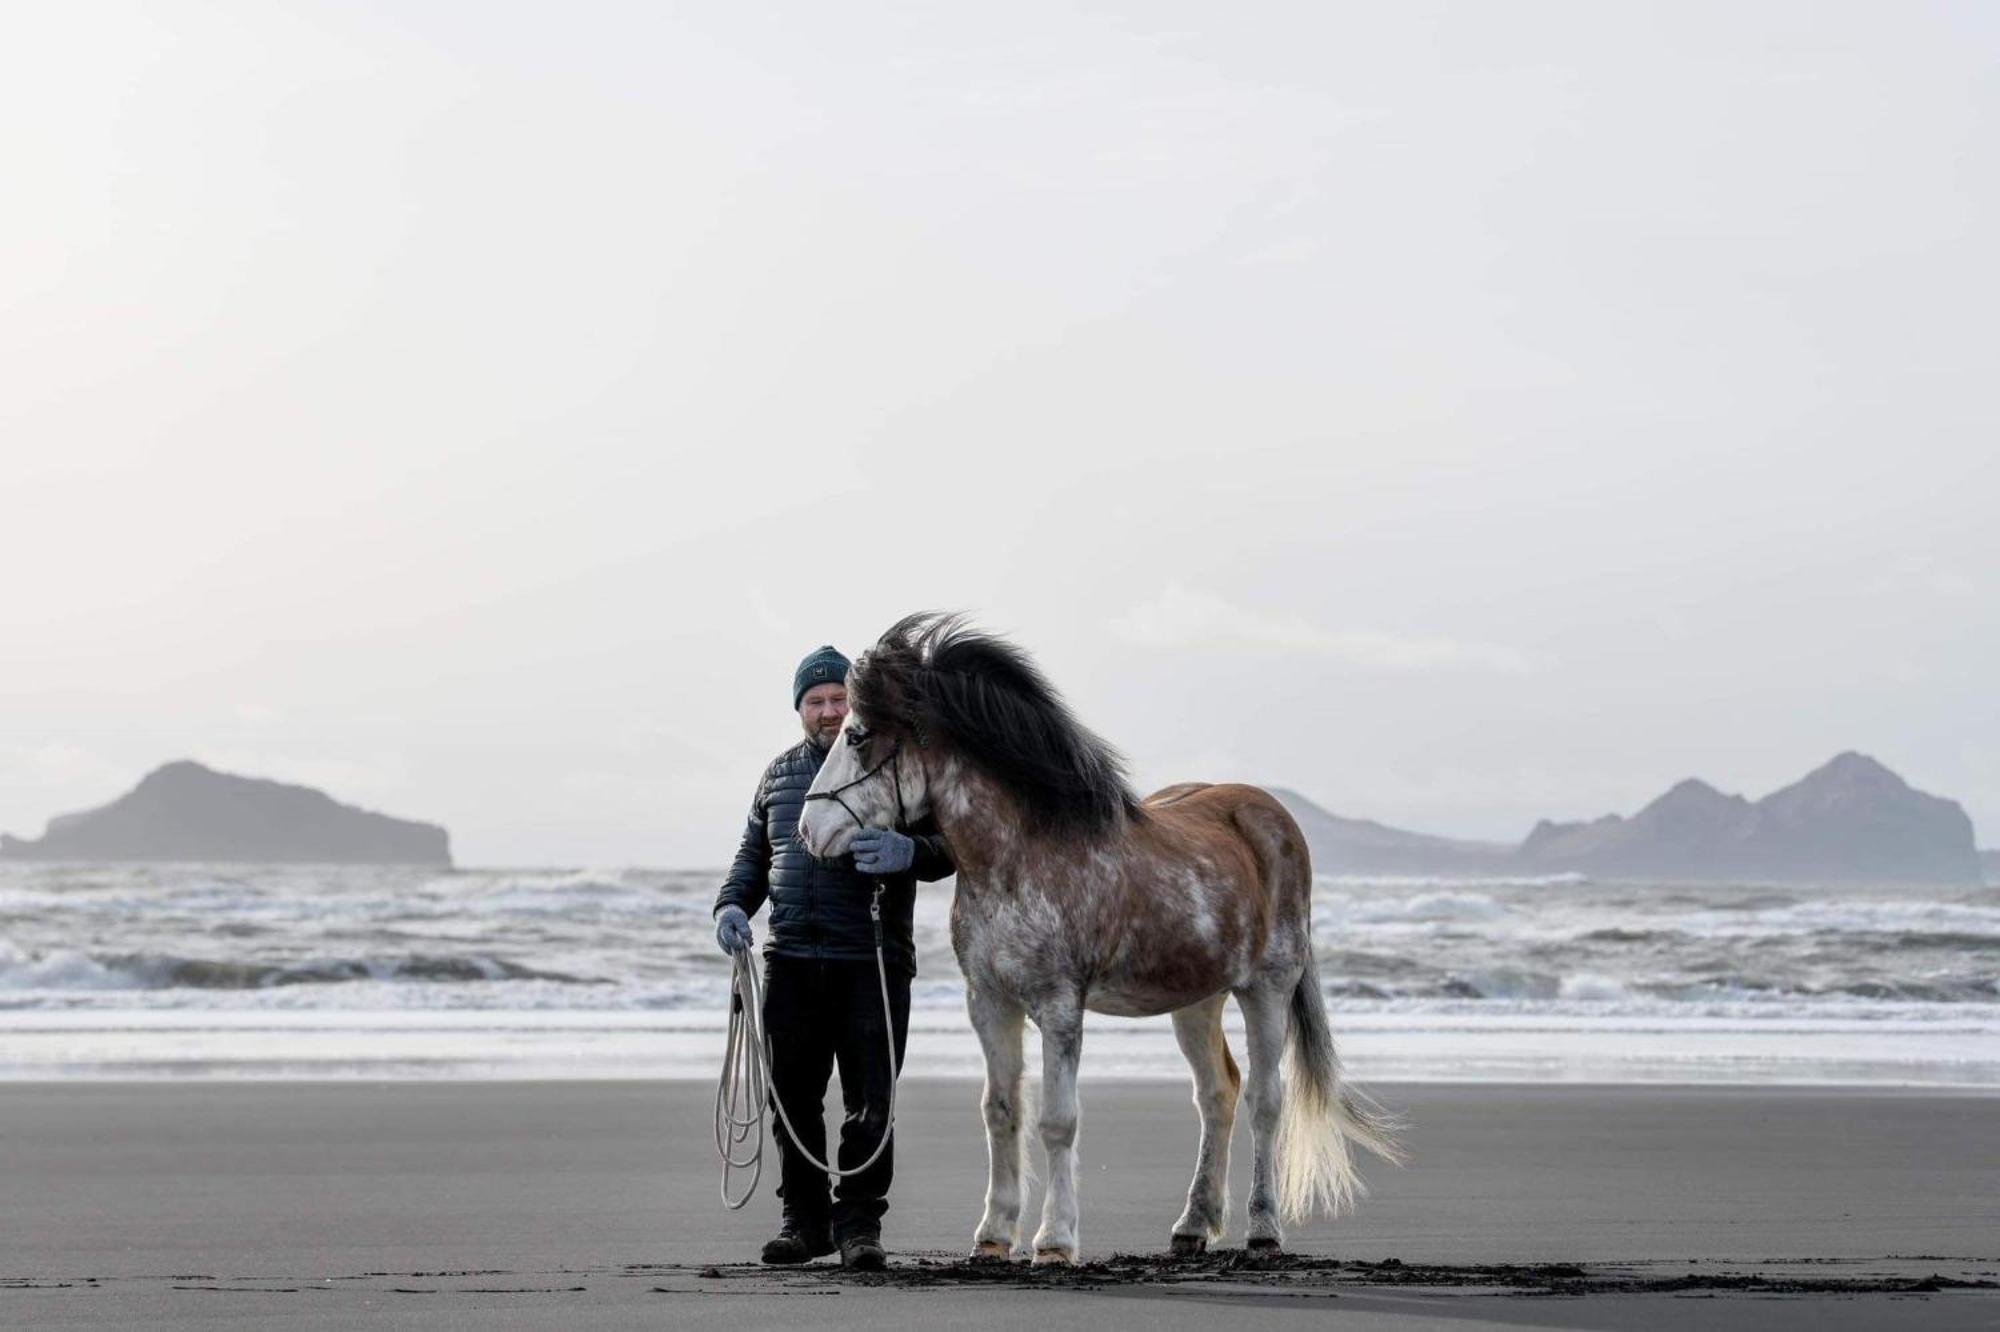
{"x":1062,"y":1046}
{"x":998,"y":1023}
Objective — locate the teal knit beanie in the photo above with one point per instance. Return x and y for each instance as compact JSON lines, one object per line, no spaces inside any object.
{"x":824,"y":665}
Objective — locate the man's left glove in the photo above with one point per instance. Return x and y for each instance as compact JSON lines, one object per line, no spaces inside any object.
{"x":881,"y":851}
{"x":732,"y":930}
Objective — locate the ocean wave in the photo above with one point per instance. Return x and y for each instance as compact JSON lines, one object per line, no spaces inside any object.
{"x":583,"y":892}
{"x":1950,"y":940}
{"x":1619,"y":934}
{"x":1448,"y":881}
{"x":1847,"y":916}
{"x":1594,"y":987}
{"x":1503,"y":982}
{"x":1968,"y":990}
{"x":1423,"y":909}
{"x":75,"y":970}
{"x":1506,"y":983}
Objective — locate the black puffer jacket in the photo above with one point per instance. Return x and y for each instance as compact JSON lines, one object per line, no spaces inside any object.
{"x":820,"y":909}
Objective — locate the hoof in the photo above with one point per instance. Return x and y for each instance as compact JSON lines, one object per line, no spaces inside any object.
{"x":1055,"y":1258}
{"x":992,"y":1251}
{"x":1263,"y":1250}
{"x":1189,"y":1246}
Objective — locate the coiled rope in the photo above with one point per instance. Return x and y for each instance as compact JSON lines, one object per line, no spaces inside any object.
{"x":744,"y":1089}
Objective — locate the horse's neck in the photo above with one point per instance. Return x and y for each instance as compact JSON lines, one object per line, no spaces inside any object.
{"x":990,"y":840}
{"x":982,"y":826}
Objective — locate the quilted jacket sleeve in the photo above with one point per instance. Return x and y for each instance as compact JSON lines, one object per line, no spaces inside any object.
{"x":749,"y":881}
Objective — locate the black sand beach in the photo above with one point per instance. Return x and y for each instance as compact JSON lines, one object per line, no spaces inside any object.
{"x":594,"y":1205}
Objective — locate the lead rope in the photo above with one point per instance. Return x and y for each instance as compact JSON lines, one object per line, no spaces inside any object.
{"x":745,"y":1087}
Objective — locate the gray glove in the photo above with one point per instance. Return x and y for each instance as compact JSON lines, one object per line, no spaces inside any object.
{"x":881,"y":851}
{"x":732,"y":930}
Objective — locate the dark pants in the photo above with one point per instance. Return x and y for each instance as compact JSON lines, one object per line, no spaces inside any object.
{"x":820,"y":1013}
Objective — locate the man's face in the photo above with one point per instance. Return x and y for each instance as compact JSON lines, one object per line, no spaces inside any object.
{"x":821,"y":710}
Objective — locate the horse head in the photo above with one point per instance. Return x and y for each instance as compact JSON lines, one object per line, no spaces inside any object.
{"x":934,"y":699}
{"x":877,"y":774}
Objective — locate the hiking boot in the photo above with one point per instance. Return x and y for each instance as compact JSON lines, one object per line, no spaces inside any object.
{"x":798,"y":1242}
{"x":863,"y":1253}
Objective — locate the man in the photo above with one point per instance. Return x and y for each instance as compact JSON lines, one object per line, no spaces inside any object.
{"x":822,"y":994}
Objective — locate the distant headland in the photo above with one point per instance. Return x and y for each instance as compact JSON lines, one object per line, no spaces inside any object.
{"x":186,"y":812}
{"x":1851,"y":820}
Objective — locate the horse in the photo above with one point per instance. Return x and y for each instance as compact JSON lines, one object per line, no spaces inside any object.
{"x":1074,"y":895}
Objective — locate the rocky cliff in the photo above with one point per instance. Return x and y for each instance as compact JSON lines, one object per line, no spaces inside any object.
{"x":1849,"y":821}
{"x":1362,"y":846}
{"x":186,"y":812}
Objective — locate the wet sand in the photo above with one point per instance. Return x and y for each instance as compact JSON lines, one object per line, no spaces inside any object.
{"x":594,"y":1205}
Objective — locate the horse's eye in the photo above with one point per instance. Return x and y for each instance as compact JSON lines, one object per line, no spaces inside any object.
{"x":855,"y":737}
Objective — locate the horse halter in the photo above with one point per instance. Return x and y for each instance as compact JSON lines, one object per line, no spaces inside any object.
{"x":895,"y":780}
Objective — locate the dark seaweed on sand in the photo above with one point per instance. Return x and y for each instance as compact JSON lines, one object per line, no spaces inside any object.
{"x":1239,"y":1267}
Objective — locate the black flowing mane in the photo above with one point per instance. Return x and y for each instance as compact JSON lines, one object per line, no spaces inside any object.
{"x":934,"y":678}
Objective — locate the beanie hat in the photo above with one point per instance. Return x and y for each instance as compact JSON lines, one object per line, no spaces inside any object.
{"x":823,"y":666}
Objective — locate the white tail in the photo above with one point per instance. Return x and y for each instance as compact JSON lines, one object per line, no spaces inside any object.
{"x":1321,"y":1118}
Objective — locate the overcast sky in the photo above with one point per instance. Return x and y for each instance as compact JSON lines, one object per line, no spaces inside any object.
{"x":1461,"y":415}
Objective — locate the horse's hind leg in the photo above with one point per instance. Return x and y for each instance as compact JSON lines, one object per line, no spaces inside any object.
{"x":1266,"y":1013}
{"x":1198,"y":1028}
{"x":999,"y":1026}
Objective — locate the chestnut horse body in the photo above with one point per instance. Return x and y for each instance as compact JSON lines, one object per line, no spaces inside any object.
{"x":1073,"y":896}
